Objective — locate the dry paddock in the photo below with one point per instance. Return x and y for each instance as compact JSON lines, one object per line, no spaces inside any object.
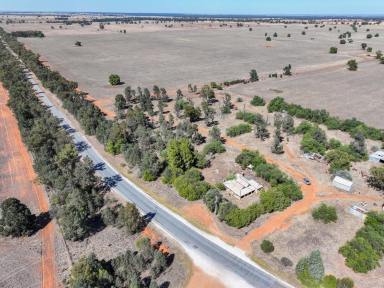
{"x":172,"y":58}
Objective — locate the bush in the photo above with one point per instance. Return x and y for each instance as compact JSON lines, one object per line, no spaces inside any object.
{"x":246,"y":116}
{"x":191,"y":185}
{"x":352,"y":65}
{"x":333,"y":50}
{"x":329,"y":281}
{"x":325,"y":213}
{"x":247,"y":157}
{"x":286,"y":262}
{"x":238,"y":130}
{"x":114,"y":79}
{"x":345,"y":283}
{"x":129,"y":218}
{"x":214,"y":147}
{"x":257,"y":101}
{"x":342,"y":41}
{"x":267,"y":246}
{"x":310,"y":270}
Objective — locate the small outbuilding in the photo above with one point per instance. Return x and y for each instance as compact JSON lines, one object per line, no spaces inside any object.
{"x":377,"y":157}
{"x":358,"y":212}
{"x":342,"y":183}
{"x":241,"y":186}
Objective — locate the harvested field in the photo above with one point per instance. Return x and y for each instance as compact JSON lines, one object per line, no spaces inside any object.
{"x":178,"y":56}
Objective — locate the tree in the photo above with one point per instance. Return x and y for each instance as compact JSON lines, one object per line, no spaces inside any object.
{"x":275,"y":34}
{"x":379,"y":54}
{"x":364,"y":46}
{"x":268,"y":39}
{"x":288,"y":124}
{"x":207,"y":94}
{"x":261,"y":131}
{"x":376,"y":178}
{"x":159,"y":264}
{"x":120,"y":102}
{"x":89,"y":272}
{"x":191,"y":185}
{"x":253,"y":76}
{"x":215,"y":134}
{"x":227,"y":105}
{"x":156,"y":92}
{"x":277,"y":147}
{"x":209,"y":113}
{"x":78,"y":44}
{"x":267,"y":246}
{"x":287,"y":70}
{"x":129,"y":218}
{"x":181,"y":155}
{"x":352,"y":65}
{"x":333,"y":50}
{"x":310,"y":270}
{"x":325,"y":213}
{"x":344,"y":283}
{"x":15,"y":218}
{"x":114,"y":79}
{"x":192,"y":113}
{"x":358,"y":145}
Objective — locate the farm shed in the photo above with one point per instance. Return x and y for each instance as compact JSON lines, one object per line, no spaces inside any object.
{"x":241,"y":186}
{"x":358,"y":211}
{"x":377,"y":157}
{"x":342,"y":183}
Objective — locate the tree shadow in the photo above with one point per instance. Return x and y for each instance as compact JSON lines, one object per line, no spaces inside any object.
{"x":96,"y":224}
{"x":112,"y":181}
{"x":99,"y":166}
{"x":165,"y":284}
{"x":81,"y":146}
{"x":41,"y":221}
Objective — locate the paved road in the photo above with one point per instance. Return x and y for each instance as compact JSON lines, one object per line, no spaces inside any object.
{"x":233,"y":267}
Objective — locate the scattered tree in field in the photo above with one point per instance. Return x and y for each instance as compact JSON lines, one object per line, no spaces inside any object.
{"x":287,"y":70}
{"x":114,"y":79}
{"x":267,"y":246}
{"x":352,"y":65}
{"x":15,"y":218}
{"x":156,"y":91}
{"x":101,"y":26}
{"x":376,"y":178}
{"x":369,"y":36}
{"x":269,"y":39}
{"x":129,"y":218}
{"x":363,"y":46}
{"x":289,"y":35}
{"x":379,"y":54}
{"x":253,"y":76}
{"x":359,"y":146}
{"x":78,"y":44}
{"x":90,"y":272}
{"x":303,"y":33}
{"x":342,"y":41}
{"x":257,"y":101}
{"x":192,"y":113}
{"x":369,"y":49}
{"x":275,"y":34}
{"x":288,"y":124}
{"x":261,"y":131}
{"x":333,"y":50}
{"x":325,"y":213}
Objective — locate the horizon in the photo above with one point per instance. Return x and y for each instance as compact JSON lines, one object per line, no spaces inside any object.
{"x":201,"y":7}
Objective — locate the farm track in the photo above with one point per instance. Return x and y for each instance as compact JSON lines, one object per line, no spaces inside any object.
{"x":18,"y":180}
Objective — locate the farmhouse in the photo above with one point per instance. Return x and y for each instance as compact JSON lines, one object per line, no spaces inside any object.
{"x":342,"y":183}
{"x":241,"y":186}
{"x":377,"y":157}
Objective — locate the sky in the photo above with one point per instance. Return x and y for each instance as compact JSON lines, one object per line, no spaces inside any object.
{"x":248,"y":7}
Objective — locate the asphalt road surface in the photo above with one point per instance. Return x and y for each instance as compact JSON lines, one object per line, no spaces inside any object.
{"x":229,"y":263}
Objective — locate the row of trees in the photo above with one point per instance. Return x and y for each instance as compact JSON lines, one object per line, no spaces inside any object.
{"x":351,"y":126}
{"x":28,"y":34}
{"x":78,"y":192}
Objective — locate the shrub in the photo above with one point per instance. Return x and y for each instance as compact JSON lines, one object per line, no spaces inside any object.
{"x":247,"y":157}
{"x":352,"y":65}
{"x":369,"y":36}
{"x":325,"y":213}
{"x":310,"y":270}
{"x":128,"y":217}
{"x":238,"y":130}
{"x":329,"y":281}
{"x":214,"y":147}
{"x":345,"y":283}
{"x":220,"y":186}
{"x":333,"y":50}
{"x":191,"y":185}
{"x":267,"y":246}
{"x":253,"y":77}
{"x":114,"y":79}
{"x":286,"y":262}
{"x":246,"y":116}
{"x":257,"y":101}
{"x":268,"y":39}
{"x":342,"y":41}
{"x":376,"y":178}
